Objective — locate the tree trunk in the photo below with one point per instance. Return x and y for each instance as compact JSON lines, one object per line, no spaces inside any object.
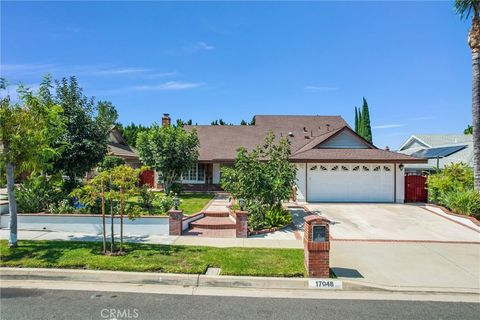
{"x":474,"y":43}
{"x":112,"y":245}
{"x":104,"y":229}
{"x":476,"y":117}
{"x":12,"y":203}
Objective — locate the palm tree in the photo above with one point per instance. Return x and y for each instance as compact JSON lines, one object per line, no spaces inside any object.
{"x":467,"y":8}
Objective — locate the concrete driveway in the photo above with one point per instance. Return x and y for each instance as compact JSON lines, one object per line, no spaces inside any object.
{"x":396,"y":222}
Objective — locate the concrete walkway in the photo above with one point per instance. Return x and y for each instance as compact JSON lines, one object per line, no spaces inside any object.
{"x":218,"y":204}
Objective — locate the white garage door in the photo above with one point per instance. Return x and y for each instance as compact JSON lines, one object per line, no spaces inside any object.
{"x":350,"y":182}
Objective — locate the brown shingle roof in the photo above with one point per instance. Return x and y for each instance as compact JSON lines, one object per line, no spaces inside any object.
{"x":220,"y":143}
{"x":354,"y":155}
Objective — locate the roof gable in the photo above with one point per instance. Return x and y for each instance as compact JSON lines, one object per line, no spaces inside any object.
{"x":344,"y":139}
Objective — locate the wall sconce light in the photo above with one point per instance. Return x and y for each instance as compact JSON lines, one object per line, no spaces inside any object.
{"x":401,"y":167}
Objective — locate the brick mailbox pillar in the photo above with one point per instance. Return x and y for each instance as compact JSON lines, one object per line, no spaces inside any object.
{"x":317,"y":246}
{"x":241,"y":218}
{"x":175,"y":221}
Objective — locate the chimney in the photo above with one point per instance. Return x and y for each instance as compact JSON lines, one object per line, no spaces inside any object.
{"x":387,"y":148}
{"x":166,"y":120}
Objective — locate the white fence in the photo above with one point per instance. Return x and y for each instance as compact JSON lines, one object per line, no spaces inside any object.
{"x":142,"y":226}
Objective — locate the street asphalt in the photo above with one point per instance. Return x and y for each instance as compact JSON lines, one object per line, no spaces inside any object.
{"x":20,"y":304}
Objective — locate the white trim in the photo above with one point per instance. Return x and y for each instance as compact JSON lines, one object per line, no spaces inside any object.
{"x":413,"y":137}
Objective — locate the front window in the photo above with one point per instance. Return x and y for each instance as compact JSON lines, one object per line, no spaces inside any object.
{"x":196,"y":173}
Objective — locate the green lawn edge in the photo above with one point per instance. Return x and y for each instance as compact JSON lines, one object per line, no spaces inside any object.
{"x":143,"y":257}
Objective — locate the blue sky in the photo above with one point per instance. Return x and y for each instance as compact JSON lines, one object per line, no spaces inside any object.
{"x":211,"y":60}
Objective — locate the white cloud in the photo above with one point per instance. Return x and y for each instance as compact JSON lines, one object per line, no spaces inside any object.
{"x":319,"y":88}
{"x":422,"y":118}
{"x":25,"y":69}
{"x":388,"y":126}
{"x":199,"y":46}
{"x":170,"y":85}
{"x":120,"y":71}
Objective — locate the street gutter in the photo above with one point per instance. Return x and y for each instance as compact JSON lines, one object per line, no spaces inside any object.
{"x":205,"y":281}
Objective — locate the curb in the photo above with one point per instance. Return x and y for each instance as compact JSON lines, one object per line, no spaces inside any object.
{"x":201,"y":280}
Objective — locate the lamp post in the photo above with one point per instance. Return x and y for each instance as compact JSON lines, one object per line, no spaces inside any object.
{"x":176,"y":202}
{"x":241,"y":202}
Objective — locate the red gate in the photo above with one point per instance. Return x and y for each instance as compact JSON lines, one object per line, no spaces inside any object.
{"x":416,"y":188}
{"x":147,"y":177}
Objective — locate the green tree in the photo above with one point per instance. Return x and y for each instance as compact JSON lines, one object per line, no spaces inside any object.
{"x":89,"y":194}
{"x":107,"y":114}
{"x":468,"y":130}
{"x":252,"y":122}
{"x":171,"y":151}
{"x":130,"y":133}
{"x":27,"y":131}
{"x":467,"y":8}
{"x":356,"y":120}
{"x":263,"y":177}
{"x":124,"y":180}
{"x":243,"y":123}
{"x":84,"y":142}
{"x":110,"y":162}
{"x":366,"y":128}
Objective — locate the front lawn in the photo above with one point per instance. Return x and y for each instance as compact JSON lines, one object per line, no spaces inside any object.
{"x":191,"y":202}
{"x":154,"y":258}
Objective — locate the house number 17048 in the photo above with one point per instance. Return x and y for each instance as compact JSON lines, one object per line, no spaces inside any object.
{"x":324,"y":284}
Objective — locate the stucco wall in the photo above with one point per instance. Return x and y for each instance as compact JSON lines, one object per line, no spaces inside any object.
{"x":89,"y":224}
{"x":400,"y":184}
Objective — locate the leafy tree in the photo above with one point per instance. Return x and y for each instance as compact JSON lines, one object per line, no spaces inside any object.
{"x":467,"y":8}
{"x":27,"y":131}
{"x":84,"y":142}
{"x":110,"y":162}
{"x":89,"y":194}
{"x":243,"y":123}
{"x":263,"y":177}
{"x":468,"y":130}
{"x":181,"y":123}
{"x":130,"y":133}
{"x":107,"y":114}
{"x":124,"y":180}
{"x":252,"y":122}
{"x":171,"y":151}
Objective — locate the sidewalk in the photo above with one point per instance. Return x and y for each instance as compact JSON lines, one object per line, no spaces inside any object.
{"x":156,"y":239}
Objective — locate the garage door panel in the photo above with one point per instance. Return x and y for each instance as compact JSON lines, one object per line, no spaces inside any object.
{"x":350,"y":183}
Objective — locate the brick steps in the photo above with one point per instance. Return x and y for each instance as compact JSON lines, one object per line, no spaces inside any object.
{"x":216,"y":214}
{"x":214,"y":222}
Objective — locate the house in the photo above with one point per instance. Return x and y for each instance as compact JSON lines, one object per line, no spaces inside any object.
{"x":118,"y":146}
{"x":333,"y":162}
{"x":439,"y":149}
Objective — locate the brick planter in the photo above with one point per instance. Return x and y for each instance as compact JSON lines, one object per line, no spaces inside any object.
{"x":175,"y":220}
{"x":317,"y":253}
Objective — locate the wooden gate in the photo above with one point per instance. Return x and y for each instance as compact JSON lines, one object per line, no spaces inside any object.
{"x":416,"y":188}
{"x":147,"y":177}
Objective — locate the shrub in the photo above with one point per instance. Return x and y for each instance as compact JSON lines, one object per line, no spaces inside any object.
{"x":176,"y":188}
{"x":62,"y":207}
{"x":37,"y":193}
{"x":455,"y":177}
{"x":463,"y":202}
{"x":32,"y":195}
{"x":147,"y":198}
{"x":165,"y":203}
{"x":277,"y":217}
{"x":110,"y":162}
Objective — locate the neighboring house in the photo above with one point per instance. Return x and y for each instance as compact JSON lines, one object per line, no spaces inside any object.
{"x":118,"y":146}
{"x":333,"y":162}
{"x":439,"y":149}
